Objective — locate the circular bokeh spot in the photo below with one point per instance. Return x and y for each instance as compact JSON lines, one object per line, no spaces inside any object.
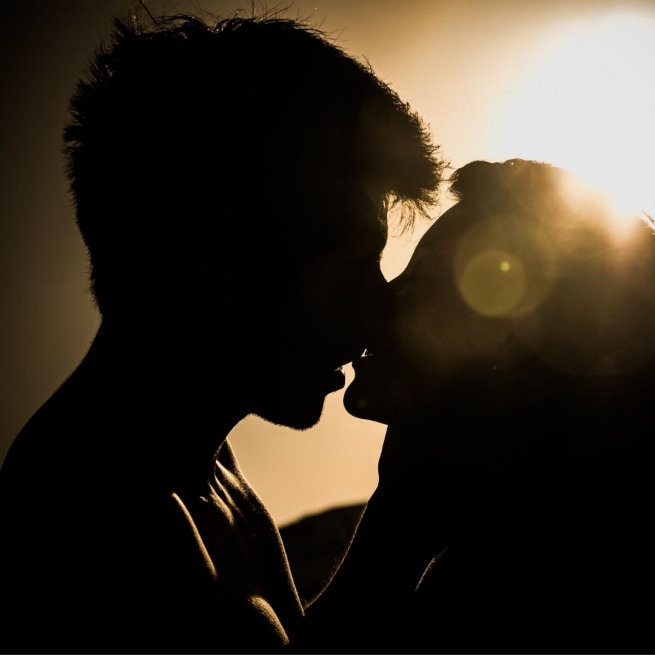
{"x":493,"y":282}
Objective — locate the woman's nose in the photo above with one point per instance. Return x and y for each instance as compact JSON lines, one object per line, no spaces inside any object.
{"x":386,"y":336}
{"x":396,"y":285}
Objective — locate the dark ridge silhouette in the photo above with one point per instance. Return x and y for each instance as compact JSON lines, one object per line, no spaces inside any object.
{"x":316,"y":545}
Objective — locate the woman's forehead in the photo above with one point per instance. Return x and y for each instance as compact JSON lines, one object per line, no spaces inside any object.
{"x":437,"y":244}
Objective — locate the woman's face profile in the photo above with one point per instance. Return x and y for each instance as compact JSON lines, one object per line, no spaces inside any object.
{"x":437,"y":332}
{"x":548,"y":297}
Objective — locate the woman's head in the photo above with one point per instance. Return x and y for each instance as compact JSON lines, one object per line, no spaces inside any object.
{"x":531,"y":284}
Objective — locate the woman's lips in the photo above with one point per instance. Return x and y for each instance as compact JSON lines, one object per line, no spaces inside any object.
{"x":376,"y":394}
{"x":365,"y":359}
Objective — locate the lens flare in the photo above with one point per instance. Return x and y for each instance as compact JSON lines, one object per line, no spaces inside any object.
{"x":504,"y":266}
{"x":493,"y":282}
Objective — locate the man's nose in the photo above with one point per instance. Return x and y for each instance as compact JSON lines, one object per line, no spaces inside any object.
{"x":379,"y":316}
{"x":384,"y":334}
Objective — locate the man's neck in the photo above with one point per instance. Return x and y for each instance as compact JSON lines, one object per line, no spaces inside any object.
{"x":173,"y":420}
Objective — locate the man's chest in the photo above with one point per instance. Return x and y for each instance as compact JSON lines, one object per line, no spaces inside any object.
{"x":237,"y":548}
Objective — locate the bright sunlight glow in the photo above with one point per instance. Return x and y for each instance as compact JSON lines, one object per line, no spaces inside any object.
{"x":588,"y":105}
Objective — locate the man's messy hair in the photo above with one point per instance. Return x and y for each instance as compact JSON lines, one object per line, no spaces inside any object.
{"x":181,"y":122}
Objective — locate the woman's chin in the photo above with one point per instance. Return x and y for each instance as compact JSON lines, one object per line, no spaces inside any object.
{"x":376,"y":399}
{"x":361,"y":403}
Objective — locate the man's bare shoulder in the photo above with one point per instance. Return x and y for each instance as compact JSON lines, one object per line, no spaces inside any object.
{"x":213,"y":551}
{"x":42,"y":445}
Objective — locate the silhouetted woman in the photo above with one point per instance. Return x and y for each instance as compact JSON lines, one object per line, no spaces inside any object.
{"x":517,"y":383}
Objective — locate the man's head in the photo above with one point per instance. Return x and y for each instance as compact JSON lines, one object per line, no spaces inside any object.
{"x":232,"y":177}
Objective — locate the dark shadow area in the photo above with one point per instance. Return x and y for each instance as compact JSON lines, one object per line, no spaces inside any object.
{"x":316,"y":546}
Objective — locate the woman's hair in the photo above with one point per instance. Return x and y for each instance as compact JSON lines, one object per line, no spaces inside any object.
{"x":588,"y":271}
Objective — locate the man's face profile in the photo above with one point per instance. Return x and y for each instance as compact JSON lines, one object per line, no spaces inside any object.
{"x":267,"y":247}
{"x":312,"y":299}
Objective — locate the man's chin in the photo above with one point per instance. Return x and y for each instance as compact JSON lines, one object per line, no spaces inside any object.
{"x":294,"y":422}
{"x":298,"y":416}
{"x":297,"y":402}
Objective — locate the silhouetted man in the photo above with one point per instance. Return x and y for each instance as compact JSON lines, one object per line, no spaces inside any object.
{"x":231,"y":183}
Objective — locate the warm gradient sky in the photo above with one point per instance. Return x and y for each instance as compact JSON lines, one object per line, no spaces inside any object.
{"x":564,"y":81}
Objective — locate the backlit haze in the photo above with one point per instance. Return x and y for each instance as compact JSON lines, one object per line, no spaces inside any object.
{"x":567,"y":82}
